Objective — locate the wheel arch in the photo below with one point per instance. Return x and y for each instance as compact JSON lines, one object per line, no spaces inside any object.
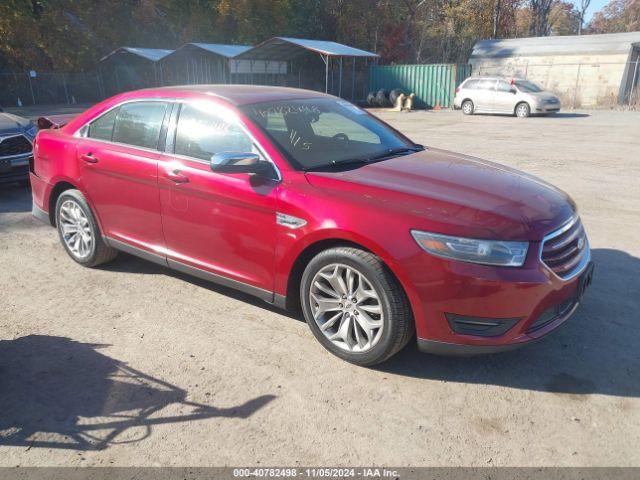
{"x":292,"y":302}
{"x":515,"y":109}
{"x":59,"y":187}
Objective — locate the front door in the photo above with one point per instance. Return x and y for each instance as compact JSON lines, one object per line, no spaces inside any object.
{"x":216,"y":225}
{"x":505,"y":99}
{"x":483,"y":95}
{"x":118,"y":160}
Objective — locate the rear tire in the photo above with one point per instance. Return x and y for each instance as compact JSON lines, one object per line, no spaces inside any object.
{"x":523,"y":110}
{"x":79,"y":232}
{"x":467,"y":107}
{"x":354,"y":306}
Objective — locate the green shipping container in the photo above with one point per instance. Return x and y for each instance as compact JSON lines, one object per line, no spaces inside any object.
{"x":433,"y":84}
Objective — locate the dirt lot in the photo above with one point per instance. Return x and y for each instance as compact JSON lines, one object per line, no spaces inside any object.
{"x":132,"y":364}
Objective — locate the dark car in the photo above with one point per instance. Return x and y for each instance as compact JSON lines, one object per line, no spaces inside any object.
{"x":16,"y":139}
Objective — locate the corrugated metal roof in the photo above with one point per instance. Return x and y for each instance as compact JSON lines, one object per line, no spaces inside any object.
{"x":224,"y":50}
{"x":153,"y":54}
{"x":283,"y":48}
{"x":609,"y":43}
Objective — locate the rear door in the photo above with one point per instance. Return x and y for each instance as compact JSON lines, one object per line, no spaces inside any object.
{"x":219,"y":226}
{"x":118,"y":158}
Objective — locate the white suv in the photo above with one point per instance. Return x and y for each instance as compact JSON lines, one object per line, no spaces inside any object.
{"x":518,"y":97}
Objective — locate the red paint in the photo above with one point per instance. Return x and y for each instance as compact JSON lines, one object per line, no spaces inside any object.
{"x":225,"y":223}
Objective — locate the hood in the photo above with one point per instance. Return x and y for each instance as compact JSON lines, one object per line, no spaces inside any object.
{"x":9,"y":122}
{"x":450,"y":193}
{"x":544,"y":95}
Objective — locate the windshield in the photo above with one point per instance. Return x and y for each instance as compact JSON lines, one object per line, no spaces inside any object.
{"x":527,"y":86}
{"x":320,"y":132}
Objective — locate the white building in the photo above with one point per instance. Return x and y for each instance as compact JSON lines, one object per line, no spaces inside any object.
{"x":586,"y":70}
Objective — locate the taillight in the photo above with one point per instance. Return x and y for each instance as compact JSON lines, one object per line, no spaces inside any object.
{"x":457,"y":89}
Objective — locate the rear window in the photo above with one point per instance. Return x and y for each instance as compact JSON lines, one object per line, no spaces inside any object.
{"x":470,"y":84}
{"x":486,"y":85}
{"x":139,"y":124}
{"x":102,"y":127}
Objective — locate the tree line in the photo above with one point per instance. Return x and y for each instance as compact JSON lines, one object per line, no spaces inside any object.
{"x":72,"y":35}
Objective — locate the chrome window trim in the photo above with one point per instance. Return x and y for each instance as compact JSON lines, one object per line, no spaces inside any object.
{"x":585,"y":259}
{"x":172,"y":130}
{"x":81,"y":132}
{"x":128,"y":145}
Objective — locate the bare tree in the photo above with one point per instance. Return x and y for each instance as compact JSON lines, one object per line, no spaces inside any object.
{"x":496,"y":18}
{"x":540,"y":9}
{"x":584,"y":5}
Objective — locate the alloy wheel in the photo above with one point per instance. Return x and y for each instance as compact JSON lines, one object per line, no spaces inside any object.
{"x":75,"y":229}
{"x":522,"y":110}
{"x":346,"y":307}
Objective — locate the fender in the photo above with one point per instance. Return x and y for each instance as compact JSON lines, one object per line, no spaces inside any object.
{"x":284,"y":262}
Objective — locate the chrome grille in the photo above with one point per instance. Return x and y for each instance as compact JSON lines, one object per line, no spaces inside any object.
{"x":566,"y":250}
{"x":15,"y":145}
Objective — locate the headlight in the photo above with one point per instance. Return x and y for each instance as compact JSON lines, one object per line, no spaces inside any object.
{"x":31,"y":130}
{"x":487,"y":252}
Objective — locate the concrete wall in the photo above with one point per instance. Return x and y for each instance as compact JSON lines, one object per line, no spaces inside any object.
{"x":579,"y":80}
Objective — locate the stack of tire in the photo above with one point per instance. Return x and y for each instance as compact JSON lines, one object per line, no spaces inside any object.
{"x":383,"y":98}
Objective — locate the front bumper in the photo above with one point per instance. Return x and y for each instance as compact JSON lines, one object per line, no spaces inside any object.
{"x":466,"y":309}
{"x":546,"y":107}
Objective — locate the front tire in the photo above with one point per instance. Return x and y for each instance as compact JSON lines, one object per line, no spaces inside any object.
{"x":354,"y":306}
{"x":79,"y":232}
{"x":523,"y":110}
{"x":467,"y":107}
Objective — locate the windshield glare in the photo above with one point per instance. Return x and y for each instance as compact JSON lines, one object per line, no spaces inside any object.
{"x":527,"y":86}
{"x":317,"y":132}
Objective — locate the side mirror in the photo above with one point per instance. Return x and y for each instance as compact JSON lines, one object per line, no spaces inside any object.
{"x":513,"y":91}
{"x":235,"y":162}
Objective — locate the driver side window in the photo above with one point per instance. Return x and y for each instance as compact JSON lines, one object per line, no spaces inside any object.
{"x":504,"y":86}
{"x":201,"y":134}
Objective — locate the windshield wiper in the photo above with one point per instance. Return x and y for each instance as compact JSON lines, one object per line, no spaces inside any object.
{"x":392,"y":152}
{"x":339,"y":163}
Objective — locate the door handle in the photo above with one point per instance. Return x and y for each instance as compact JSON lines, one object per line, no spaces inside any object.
{"x":89,"y":158}
{"x":176,"y":176}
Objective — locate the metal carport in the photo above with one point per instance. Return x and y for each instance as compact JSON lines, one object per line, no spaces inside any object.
{"x":131,"y":68}
{"x":288,"y":49}
{"x":196,"y":63}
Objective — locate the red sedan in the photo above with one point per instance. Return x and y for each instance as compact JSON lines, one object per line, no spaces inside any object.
{"x":307,"y":201}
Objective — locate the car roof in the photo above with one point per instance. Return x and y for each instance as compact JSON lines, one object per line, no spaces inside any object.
{"x":234,"y":94}
{"x":507,"y":79}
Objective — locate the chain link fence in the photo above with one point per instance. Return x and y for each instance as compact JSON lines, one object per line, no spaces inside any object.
{"x":23,"y":89}
{"x":582,"y":84}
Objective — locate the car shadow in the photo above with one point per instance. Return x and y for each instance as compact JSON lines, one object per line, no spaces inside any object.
{"x":596,"y":352}
{"x":566,"y":115}
{"x":63,"y":394}
{"x":126,"y":263}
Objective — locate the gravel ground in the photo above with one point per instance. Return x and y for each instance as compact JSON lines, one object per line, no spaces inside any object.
{"x":132,"y":364}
